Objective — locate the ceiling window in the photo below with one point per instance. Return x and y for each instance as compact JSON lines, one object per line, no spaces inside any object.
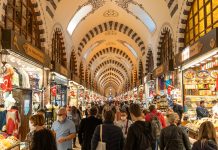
{"x":203,"y":17}
{"x":129,"y":47}
{"x":80,"y":15}
{"x":91,"y":48}
{"x":143,"y":16}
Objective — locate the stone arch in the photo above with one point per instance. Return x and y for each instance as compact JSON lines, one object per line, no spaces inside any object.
{"x":149,"y":67}
{"x":186,"y":7}
{"x":58,"y":47}
{"x":112,"y":25}
{"x":173,"y":6}
{"x":73,"y":64}
{"x":166,"y":28}
{"x":110,"y":50}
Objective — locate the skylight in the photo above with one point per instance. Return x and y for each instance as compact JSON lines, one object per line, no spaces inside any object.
{"x":92,"y":47}
{"x":143,"y":16}
{"x":82,"y":13}
{"x":129,"y":47}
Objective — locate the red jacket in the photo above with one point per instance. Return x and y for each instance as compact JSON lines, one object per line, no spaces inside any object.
{"x":159,"y":115}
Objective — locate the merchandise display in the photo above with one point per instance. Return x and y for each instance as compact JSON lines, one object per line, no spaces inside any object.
{"x":195,"y":125}
{"x":9,"y":143}
{"x":200,"y":84}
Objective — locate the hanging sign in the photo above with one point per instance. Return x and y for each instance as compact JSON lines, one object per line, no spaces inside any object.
{"x":34,"y":52}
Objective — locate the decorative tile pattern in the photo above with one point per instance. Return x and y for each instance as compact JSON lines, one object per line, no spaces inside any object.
{"x":96,"y":3}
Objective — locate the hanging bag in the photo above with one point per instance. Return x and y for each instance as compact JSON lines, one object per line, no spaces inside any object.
{"x":101,"y":144}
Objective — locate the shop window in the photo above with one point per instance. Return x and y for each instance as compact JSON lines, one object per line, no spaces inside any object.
{"x":20,"y":17}
{"x":204,"y":14}
{"x":58,"y":49}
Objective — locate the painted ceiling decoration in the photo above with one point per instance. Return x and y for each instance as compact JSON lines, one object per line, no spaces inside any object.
{"x":111,"y":13}
{"x":112,"y":25}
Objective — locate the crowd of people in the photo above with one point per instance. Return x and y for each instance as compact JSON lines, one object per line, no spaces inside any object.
{"x":118,"y":127}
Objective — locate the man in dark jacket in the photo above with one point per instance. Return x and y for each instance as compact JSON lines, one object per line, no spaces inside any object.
{"x":111,"y":135}
{"x":177,"y":108}
{"x":87,"y":128}
{"x":202,"y":111}
{"x":139,"y":134}
{"x":174,"y":137}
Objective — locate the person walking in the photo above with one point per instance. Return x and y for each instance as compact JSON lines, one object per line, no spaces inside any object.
{"x":43,"y":140}
{"x":124,"y":123}
{"x":157,"y":123}
{"x":202,"y":111}
{"x":139,"y":135}
{"x":111,"y":134}
{"x":76,"y":118}
{"x":87,"y":128}
{"x":174,"y":137}
{"x":177,"y":109}
{"x":206,"y":137}
{"x":36,"y":123}
{"x":64,"y":130}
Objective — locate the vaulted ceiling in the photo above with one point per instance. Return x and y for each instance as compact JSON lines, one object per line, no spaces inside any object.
{"x":110,"y":37}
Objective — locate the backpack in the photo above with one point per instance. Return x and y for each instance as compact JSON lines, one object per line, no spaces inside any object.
{"x":155,"y":126}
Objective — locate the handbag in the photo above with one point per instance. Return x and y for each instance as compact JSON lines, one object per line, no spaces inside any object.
{"x":101,"y":145}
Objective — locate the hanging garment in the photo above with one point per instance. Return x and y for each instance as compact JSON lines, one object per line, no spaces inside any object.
{"x":20,"y":77}
{"x":13,"y":122}
{"x":2,"y":118}
{"x":7,"y":83}
{"x":15,"y":80}
{"x":25,"y":79}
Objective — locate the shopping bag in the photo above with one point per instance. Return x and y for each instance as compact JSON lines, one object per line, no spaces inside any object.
{"x":101,"y":144}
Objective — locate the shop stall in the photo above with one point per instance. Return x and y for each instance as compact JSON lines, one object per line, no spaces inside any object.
{"x":200,"y":73}
{"x":23,"y":79}
{"x":73,"y":93}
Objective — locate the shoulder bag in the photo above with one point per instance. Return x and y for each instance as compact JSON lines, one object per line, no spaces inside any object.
{"x":101,"y":144}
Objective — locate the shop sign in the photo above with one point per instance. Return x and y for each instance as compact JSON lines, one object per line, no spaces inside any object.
{"x":20,"y":45}
{"x":34,"y":52}
{"x":64,"y":71}
{"x":203,"y":45}
{"x":159,"y":70}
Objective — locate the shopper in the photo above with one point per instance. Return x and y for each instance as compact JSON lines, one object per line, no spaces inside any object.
{"x":157,"y":123}
{"x":139,"y":134}
{"x":76,"y":118}
{"x":174,"y":137}
{"x":36,"y":123}
{"x":177,"y":109}
{"x":43,"y":140}
{"x":215,"y":109}
{"x":206,"y":137}
{"x":64,"y":130}
{"x":111,"y":134}
{"x":202,"y":111}
{"x":87,"y":128}
{"x":124,"y":123}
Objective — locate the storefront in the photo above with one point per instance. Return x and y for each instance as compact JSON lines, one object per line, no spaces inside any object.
{"x":23,"y":83}
{"x":59,"y":83}
{"x":199,"y":73}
